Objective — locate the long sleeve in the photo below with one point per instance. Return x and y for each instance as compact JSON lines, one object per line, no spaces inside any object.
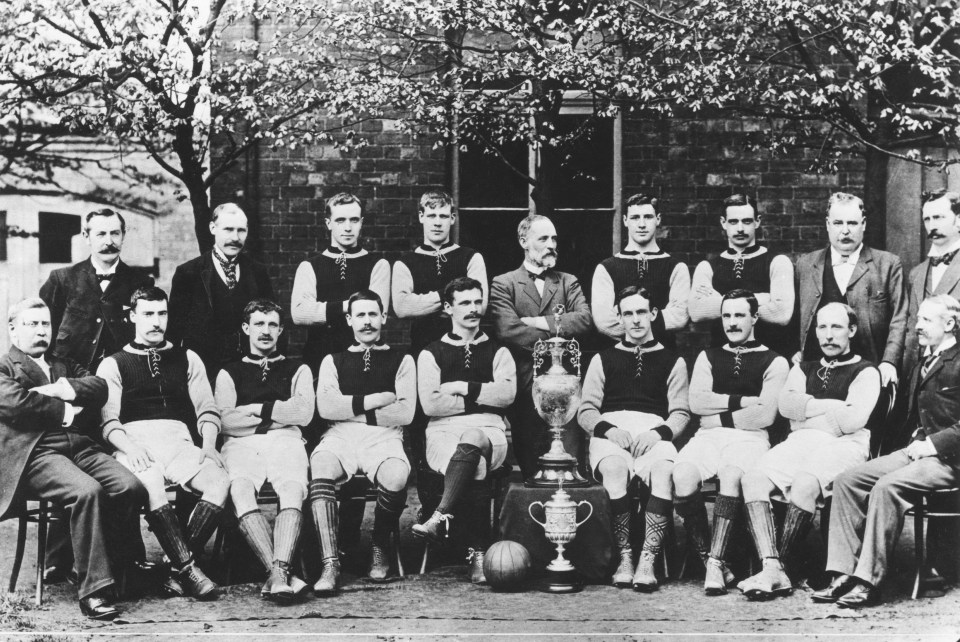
{"x":204,"y":405}
{"x":181,"y":292}
{"x":53,"y":295}
{"x":233,"y":422}
{"x":861,"y":399}
{"x":305,"y":308}
{"x":401,"y":411}
{"x":678,"y":399}
{"x":506,"y":322}
{"x":406,"y":303}
{"x":897,"y":330}
{"x":604,"y":313}
{"x":779,"y":309}
{"x":793,"y":397}
{"x":703,"y":400}
{"x":91,"y":390}
{"x":477,"y":270}
{"x":500,"y":392}
{"x":762,"y":415}
{"x":947,"y":441}
{"x":675,"y":314}
{"x":298,"y":409}
{"x":332,"y":404}
{"x":28,"y":411}
{"x":577,"y":319}
{"x":380,"y":282}
{"x":591,"y":396}
{"x":704,"y":307}
{"x":434,"y":402}
{"x":110,"y":412}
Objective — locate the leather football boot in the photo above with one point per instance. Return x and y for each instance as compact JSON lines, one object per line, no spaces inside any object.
{"x":645,"y":579}
{"x":623,"y":576}
{"x":379,"y":564}
{"x":196,"y":584}
{"x":475,"y":558}
{"x":329,"y":582}
{"x":434,"y":529}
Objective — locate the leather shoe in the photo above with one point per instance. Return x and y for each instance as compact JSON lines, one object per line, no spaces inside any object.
{"x":98,"y":607}
{"x":839,"y":586}
{"x":59,"y":575}
{"x":859,"y":596}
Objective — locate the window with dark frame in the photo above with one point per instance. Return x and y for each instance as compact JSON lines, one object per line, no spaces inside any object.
{"x":56,"y":232}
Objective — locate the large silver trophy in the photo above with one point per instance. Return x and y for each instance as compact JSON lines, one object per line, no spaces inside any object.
{"x":556,"y":396}
{"x":560,"y":526}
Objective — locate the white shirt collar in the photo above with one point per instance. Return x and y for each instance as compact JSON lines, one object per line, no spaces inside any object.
{"x":110,"y":270}
{"x":936,"y":251}
{"x":946,"y":344}
{"x":530,"y":267}
{"x":41,"y":361}
{"x":852,"y":259}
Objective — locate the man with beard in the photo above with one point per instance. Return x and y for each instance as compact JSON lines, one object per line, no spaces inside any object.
{"x":209,"y":292}
{"x":828,"y":403}
{"x":88,"y":305}
{"x":870,"y":500}
{"x":522,"y":305}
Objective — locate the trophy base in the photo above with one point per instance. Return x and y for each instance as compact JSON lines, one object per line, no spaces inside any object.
{"x":561,"y":582}
{"x":553,"y":469}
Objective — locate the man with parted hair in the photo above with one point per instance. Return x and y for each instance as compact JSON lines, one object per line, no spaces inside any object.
{"x":868,"y":280}
{"x":325,"y":281}
{"x":88,"y":309}
{"x":939,"y":273}
{"x":44,"y":454}
{"x":420,"y":275}
{"x":828,"y":403}
{"x":734,"y":390}
{"x":522,"y":307}
{"x":746,"y":265}
{"x":368,"y":394}
{"x":644,"y":264}
{"x":208,"y":293}
{"x":265,"y":400}
{"x":634,"y":405}
{"x":869,"y":500}
{"x":159,"y":404}
{"x":466,"y":381}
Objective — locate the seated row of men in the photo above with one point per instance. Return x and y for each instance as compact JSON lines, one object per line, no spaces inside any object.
{"x":636,"y":402}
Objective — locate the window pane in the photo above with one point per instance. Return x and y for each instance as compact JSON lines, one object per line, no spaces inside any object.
{"x":487,"y":181}
{"x":56,"y":236}
{"x":581,"y":167}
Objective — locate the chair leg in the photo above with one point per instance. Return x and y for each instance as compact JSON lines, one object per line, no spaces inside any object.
{"x":426,"y":554}
{"x":41,"y":550}
{"x":919,"y":545}
{"x":18,"y":557}
{"x":396,"y":548}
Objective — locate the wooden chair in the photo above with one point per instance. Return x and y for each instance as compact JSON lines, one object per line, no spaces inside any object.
{"x":40,"y":513}
{"x":938,"y":503}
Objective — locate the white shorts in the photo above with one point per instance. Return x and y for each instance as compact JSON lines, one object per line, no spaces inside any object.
{"x":634,"y":423}
{"x":714,"y":448}
{"x":442,"y":443}
{"x":176,"y":460}
{"x":277,"y":456}
{"x":814,"y":452}
{"x":362,"y":448}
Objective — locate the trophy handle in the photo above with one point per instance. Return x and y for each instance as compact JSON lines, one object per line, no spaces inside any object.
{"x":590,"y":514}
{"x":530,"y":510}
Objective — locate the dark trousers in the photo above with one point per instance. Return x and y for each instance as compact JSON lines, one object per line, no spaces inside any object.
{"x":532,"y":436}
{"x":98,"y":493}
{"x":869,"y":502}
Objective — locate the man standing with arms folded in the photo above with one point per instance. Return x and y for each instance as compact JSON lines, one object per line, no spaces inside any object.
{"x":466,"y":382}
{"x":644,"y":264}
{"x":749,"y":266}
{"x":265,"y":400}
{"x":734,"y":390}
{"x":522,"y":306}
{"x":420,"y":276}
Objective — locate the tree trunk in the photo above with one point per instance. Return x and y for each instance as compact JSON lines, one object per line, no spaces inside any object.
{"x":200,"y":201}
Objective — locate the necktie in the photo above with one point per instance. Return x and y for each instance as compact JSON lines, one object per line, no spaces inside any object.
{"x":104,"y":277}
{"x":229,"y":268}
{"x":927,"y":364}
{"x":943,"y":259}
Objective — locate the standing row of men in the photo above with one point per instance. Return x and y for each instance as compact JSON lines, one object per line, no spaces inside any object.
{"x":87,"y":303}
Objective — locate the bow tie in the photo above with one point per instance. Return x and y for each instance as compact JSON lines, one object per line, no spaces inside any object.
{"x":843,"y":260}
{"x":104,"y":277}
{"x":542,"y":276}
{"x":943,"y":259}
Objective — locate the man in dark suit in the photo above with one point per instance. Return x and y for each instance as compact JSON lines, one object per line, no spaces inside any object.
{"x":208,"y":293}
{"x":940,"y":272}
{"x":88,"y":303}
{"x":522,"y":305}
{"x":869,"y":501}
{"x":869,"y":281}
{"x":43,"y":455}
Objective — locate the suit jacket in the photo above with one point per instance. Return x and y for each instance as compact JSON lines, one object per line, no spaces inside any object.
{"x":25,"y":416}
{"x":81,"y":313}
{"x":949,"y":284}
{"x":191,"y":319}
{"x":514,"y":295}
{"x":876,"y":292}
{"x":935,"y":406}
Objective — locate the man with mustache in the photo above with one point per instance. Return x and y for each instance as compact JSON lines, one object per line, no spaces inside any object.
{"x":749,"y":266}
{"x":209,"y":292}
{"x":44,"y":453}
{"x":734,"y":390}
{"x":522,"y":304}
{"x":869,"y":501}
{"x":420,"y":276}
{"x":634,"y":405}
{"x":367,"y":393}
{"x":88,"y":310}
{"x":265,"y":400}
{"x":325,"y":281}
{"x":869,"y":281}
{"x":466,"y":382}
{"x":644,"y":264}
{"x":939,"y":273}
{"x":159,"y":403}
{"x":828,"y":403}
